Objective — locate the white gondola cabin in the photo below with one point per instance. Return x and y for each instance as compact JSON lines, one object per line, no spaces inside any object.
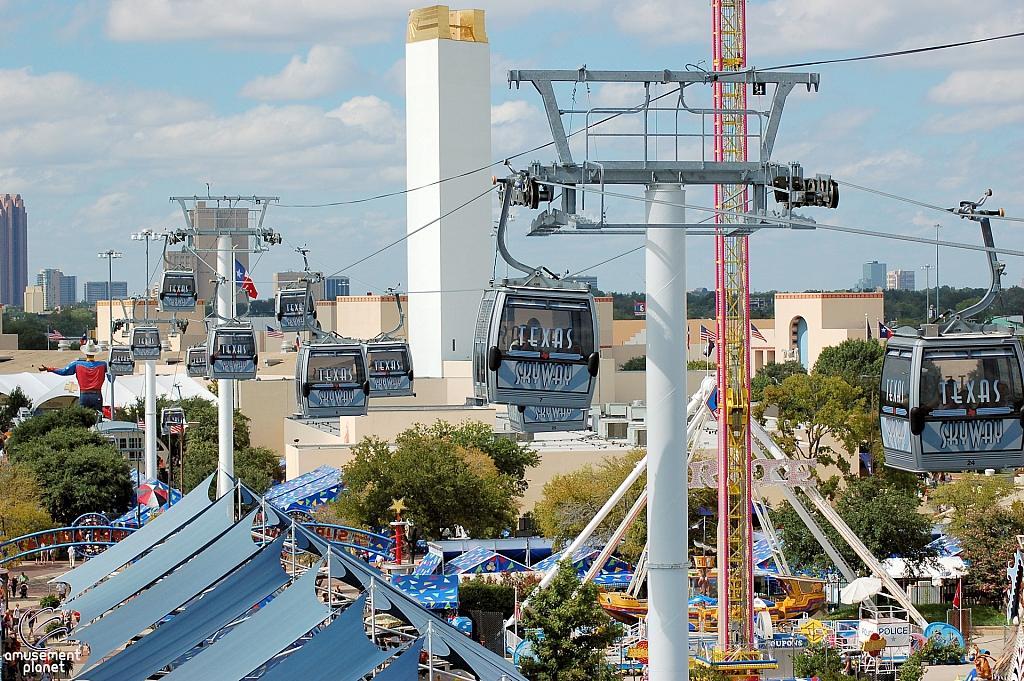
{"x":390,"y":368}
{"x":196,"y":364}
{"x":178,"y":291}
{"x":536,"y":344}
{"x":295,"y":308}
{"x":952,"y":402}
{"x":232,"y":352}
{"x":145,"y":343}
{"x":534,"y":419}
{"x":331,"y":379}
{"x":172,"y":421}
{"x":120,"y":361}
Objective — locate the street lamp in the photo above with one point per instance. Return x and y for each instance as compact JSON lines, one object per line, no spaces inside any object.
{"x":110,"y":255}
{"x":927,"y":289}
{"x":147,"y":235}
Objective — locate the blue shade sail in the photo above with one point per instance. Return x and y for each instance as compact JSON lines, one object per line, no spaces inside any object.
{"x":140,"y":541}
{"x":192,"y":539}
{"x":106,"y":634}
{"x":268,"y":631}
{"x":405,"y":667}
{"x":231,"y":598}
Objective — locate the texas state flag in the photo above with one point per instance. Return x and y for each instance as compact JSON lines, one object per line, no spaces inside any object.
{"x":243,"y":281}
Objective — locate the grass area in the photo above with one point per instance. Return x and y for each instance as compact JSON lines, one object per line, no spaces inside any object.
{"x":981,"y":615}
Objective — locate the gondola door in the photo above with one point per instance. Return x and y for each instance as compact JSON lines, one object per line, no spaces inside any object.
{"x":390,"y":369}
{"x":331,"y":380}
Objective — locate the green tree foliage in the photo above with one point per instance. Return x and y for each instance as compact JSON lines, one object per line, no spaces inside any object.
{"x":773,"y":373}
{"x":480,"y":594}
{"x":819,"y":660}
{"x":257,"y":467}
{"x":510,"y":457}
{"x":39,"y":425}
{"x":78,"y":471}
{"x":814,"y":409}
{"x":21,"y":503}
{"x":635,"y":364}
{"x":443,"y":483}
{"x":72,"y":322}
{"x":850,"y":360}
{"x":884,"y":517}
{"x":575,"y":631}
{"x":986,"y":526}
{"x":570,"y":500}
{"x":15,"y":401}
{"x":700,"y":365}
{"x":908,"y":306}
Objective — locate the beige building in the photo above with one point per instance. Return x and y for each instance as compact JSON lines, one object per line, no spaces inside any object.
{"x":196,"y":332}
{"x":35,"y":299}
{"x":208,"y":218}
{"x":361,"y":316}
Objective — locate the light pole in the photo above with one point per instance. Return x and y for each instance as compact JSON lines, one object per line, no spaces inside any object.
{"x":110,"y":255}
{"x":927,"y":288}
{"x":937,"y":309}
{"x":152,"y":472}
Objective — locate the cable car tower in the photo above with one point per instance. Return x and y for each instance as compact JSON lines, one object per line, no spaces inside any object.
{"x":658,"y":131}
{"x":732,"y":285}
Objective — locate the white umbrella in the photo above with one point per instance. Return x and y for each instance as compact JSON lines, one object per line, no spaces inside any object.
{"x":860,"y":589}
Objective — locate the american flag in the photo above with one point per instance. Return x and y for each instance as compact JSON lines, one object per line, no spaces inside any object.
{"x":707,"y":336}
{"x":141,"y":423}
{"x":757,"y":334}
{"x":177,"y":430}
{"x":55,"y":335}
{"x":274,"y":333}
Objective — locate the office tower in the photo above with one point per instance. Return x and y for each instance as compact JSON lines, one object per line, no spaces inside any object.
{"x":68,"y":290}
{"x":335,"y":286}
{"x":13,"y":249}
{"x":874,"y":276}
{"x":97,"y":290}
{"x":901,"y":280}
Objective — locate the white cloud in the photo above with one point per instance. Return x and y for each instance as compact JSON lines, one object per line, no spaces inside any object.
{"x":373,"y":116}
{"x":969,"y":87}
{"x":517,"y":125}
{"x":326,"y":70}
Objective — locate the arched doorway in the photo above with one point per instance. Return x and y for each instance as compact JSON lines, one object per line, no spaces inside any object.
{"x":798,"y":339}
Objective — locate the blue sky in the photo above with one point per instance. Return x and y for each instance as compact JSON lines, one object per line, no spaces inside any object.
{"x":107,"y":108}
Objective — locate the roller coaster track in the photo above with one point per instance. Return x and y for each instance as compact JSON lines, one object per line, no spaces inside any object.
{"x":94,"y":538}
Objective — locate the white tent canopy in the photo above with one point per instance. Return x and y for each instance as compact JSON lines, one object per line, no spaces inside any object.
{"x":945,"y":567}
{"x":50,"y":391}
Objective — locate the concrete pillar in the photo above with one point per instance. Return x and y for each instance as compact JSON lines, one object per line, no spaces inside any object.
{"x":667,"y":583}
{"x":225,"y":387}
{"x":448,"y":125}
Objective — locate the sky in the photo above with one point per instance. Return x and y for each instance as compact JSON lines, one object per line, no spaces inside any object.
{"x":109,"y":107}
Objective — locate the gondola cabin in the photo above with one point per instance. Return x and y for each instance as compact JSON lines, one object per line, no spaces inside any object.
{"x":232,"y":352}
{"x":295,"y":308}
{"x":331,"y":379}
{"x":145,"y":343}
{"x":172,"y":421}
{"x":120,"y":361}
{"x":952,"y":402}
{"x":178,"y":291}
{"x":196,"y":364}
{"x":536,"y":345}
{"x":532,"y":419}
{"x":390,"y":368}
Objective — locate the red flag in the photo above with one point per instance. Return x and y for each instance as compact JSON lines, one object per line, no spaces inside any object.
{"x":956,"y":598}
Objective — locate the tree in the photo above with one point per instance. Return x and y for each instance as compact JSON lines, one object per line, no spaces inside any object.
{"x":986,"y":527}
{"x":635,"y":364}
{"x":568,"y":631}
{"x":852,"y":359}
{"x":443,"y":483}
{"x":773,"y":373}
{"x":256,"y":467}
{"x":510,"y":457}
{"x":21,"y":503}
{"x":79,"y":471}
{"x":817,"y":407}
{"x":40,"y":424}
{"x":15,"y":401}
{"x":884,"y":517}
{"x":571,"y":500}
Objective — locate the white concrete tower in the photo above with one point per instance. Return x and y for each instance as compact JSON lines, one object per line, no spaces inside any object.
{"x":448,"y":126}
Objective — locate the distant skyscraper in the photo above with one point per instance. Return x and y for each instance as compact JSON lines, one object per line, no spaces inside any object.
{"x":901,"y":280}
{"x":874,"y":276}
{"x":68,"y":290}
{"x":335,"y":286}
{"x":13,"y":249}
{"x":97,"y":290}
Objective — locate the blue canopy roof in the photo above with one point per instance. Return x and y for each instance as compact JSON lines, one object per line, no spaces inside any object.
{"x":306,"y":491}
{"x":582,"y":558}
{"x":480,"y":561}
{"x":436,"y":592}
{"x":428,"y":565}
